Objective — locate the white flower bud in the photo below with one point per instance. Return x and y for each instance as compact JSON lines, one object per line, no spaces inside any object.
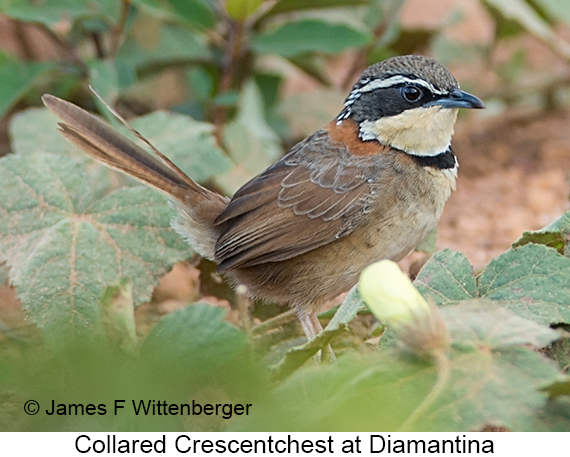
{"x":390,"y":295}
{"x":394,"y":300}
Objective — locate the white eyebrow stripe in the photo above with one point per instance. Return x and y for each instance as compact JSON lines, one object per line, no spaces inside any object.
{"x":398,"y":79}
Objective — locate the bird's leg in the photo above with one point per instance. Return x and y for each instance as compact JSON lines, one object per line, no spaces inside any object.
{"x":312,"y":327}
{"x":310,"y":323}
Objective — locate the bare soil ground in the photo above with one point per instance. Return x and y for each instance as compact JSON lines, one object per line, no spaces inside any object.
{"x":513,"y":176}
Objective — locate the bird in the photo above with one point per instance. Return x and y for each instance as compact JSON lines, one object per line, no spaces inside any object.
{"x":368,"y":186}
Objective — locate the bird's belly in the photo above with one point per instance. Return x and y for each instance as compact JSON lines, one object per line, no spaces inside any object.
{"x":391,"y":231}
{"x":309,"y":280}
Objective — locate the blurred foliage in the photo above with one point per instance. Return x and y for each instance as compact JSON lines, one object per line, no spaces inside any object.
{"x":85,"y":246}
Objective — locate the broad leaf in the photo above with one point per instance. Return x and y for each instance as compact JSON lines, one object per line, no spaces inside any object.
{"x":18,"y":78}
{"x":242,"y":9}
{"x":284,"y":6}
{"x":161,"y":44}
{"x":119,"y":316}
{"x":196,"y":337}
{"x":294,"y":38}
{"x":447,"y":278}
{"x":194,"y":12}
{"x":532,"y":281}
{"x":482,"y":323}
{"x":554,"y":235}
{"x":35,"y":130}
{"x":347,"y":311}
{"x":251,"y":142}
{"x":189,"y":143}
{"x":483,"y":388}
{"x":65,"y":248}
{"x":104,"y":79}
{"x":557,"y":388}
{"x":491,"y":381}
{"x":53,"y":12}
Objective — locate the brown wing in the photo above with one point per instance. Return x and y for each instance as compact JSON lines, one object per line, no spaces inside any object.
{"x":316,"y":194}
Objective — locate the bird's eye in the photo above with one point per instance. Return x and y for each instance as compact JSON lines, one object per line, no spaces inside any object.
{"x":411,"y":93}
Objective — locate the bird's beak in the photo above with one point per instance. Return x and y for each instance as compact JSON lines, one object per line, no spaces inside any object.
{"x":458,"y":99}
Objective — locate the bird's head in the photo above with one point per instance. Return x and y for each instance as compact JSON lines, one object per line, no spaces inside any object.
{"x":409,"y":103}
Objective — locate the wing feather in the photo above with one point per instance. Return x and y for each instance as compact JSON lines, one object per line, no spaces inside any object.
{"x":280,"y":213}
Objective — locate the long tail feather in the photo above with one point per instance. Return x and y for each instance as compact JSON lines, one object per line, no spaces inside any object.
{"x":103,"y":143}
{"x":197,"y":206}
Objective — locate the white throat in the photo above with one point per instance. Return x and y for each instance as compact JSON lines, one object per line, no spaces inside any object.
{"x":418,"y":131}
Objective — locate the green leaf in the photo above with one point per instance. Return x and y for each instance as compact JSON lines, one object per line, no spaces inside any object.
{"x":294,"y":38}
{"x":189,"y":143}
{"x":251,"y":143}
{"x":559,"y":350}
{"x":53,"y":12}
{"x":201,"y":84}
{"x":557,"y":388}
{"x":493,"y":381}
{"x":315,"y":66}
{"x":195,"y":337}
{"x":481,"y":323}
{"x":532,"y":281}
{"x":119,"y":316}
{"x":498,"y":387}
{"x":284,"y":6}
{"x":554,"y":235}
{"x":34,"y":130}
{"x":104,"y":79}
{"x":65,"y":247}
{"x":18,"y":78}
{"x":240,"y":10}
{"x":447,"y":277}
{"x":298,"y":355}
{"x":195,"y":12}
{"x":347,"y":311}
{"x":557,"y":9}
{"x":162,"y":44}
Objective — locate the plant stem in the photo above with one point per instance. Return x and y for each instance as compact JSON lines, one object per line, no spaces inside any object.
{"x":443,"y":371}
{"x":273,"y":322}
{"x":68,"y":49}
{"x":233,"y":54}
{"x":119,"y":28}
{"x":98,"y":44}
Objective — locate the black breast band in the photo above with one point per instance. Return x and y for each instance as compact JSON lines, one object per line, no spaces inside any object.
{"x":441,"y":161}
